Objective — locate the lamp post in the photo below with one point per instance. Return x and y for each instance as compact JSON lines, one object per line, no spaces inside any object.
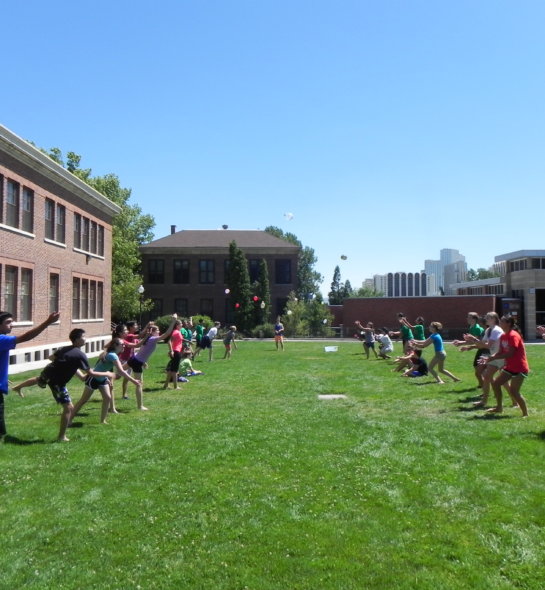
{"x":141,"y":294}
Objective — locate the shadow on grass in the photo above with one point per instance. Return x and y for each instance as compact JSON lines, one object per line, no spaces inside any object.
{"x":541,"y":435}
{"x":491,"y":417}
{"x":13,"y":440}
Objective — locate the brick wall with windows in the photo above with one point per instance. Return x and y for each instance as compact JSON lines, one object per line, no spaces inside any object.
{"x":40,"y":261}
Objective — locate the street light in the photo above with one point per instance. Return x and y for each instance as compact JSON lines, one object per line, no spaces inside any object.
{"x":141,"y":294}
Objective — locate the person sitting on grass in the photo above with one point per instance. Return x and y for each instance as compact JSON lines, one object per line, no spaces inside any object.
{"x":404,"y":361}
{"x":440,"y":355}
{"x":419,"y":367}
{"x":186,"y":367}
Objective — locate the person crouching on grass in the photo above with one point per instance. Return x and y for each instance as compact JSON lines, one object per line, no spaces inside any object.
{"x":440,"y":354}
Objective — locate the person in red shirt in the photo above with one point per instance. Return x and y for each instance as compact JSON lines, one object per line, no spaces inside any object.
{"x":515,"y":368}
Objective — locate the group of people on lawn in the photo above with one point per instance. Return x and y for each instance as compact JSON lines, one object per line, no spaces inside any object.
{"x":125,"y":356}
{"x":500,"y":360}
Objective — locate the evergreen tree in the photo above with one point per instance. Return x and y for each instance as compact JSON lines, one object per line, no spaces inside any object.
{"x":347,"y":289}
{"x":238,"y":281}
{"x":336,"y":294}
{"x":262,"y":307}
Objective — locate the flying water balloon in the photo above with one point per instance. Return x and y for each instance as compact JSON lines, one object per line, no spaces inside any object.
{"x":288,"y":216}
{"x":344,"y":257}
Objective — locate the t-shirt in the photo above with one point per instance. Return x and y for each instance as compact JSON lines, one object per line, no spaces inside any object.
{"x":212,"y":333}
{"x":66,"y":362}
{"x":176,"y":340}
{"x":418,"y":331}
{"x":420,"y":365}
{"x":146,"y":350}
{"x":128,"y":351}
{"x":229,"y":337}
{"x":437,"y":342}
{"x":406,"y":333}
{"x":516,"y":363}
{"x":199,"y":330}
{"x":186,"y":367}
{"x":7,"y":343}
{"x":106,"y":364}
{"x":476,"y":330}
{"x":386,"y":342}
{"x":493,"y":336}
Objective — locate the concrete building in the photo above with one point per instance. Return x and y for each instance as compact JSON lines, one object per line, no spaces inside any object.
{"x":401,"y":284}
{"x":449,"y":269}
{"x":185,"y":272}
{"x":55,"y":251}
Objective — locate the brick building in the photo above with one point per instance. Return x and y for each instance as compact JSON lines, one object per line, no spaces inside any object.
{"x":185,"y":271}
{"x":55,"y":250}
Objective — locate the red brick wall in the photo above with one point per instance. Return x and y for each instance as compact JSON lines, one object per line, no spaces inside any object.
{"x":382,"y":311}
{"x":17,"y":249}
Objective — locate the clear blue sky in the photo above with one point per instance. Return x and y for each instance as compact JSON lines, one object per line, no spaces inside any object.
{"x":390,"y":129}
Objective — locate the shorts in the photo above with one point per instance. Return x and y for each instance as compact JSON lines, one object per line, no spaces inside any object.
{"x":369,"y":344}
{"x":278,"y":337}
{"x":440,"y":355}
{"x":205,"y":342}
{"x":60,"y":393}
{"x":174,"y":363}
{"x":93,"y":383}
{"x":417,"y":374}
{"x":227,"y":345}
{"x":479,"y":354}
{"x":498,"y":363}
{"x":136,"y":365}
{"x":515,"y":374}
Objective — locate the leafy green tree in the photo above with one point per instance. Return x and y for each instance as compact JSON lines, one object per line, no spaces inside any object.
{"x":317,"y":318}
{"x":131,"y":228}
{"x":294,"y":317}
{"x":347,"y":289}
{"x":336,"y":294}
{"x":238,"y":281}
{"x":367,"y":292}
{"x":481,"y":273}
{"x":308,"y":279}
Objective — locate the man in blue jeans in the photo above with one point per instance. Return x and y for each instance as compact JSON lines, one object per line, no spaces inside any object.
{"x":9,"y":342}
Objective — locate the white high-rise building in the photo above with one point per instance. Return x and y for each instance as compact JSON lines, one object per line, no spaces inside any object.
{"x":456,"y":269}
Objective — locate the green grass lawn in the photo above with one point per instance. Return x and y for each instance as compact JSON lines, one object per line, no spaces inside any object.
{"x":244,"y":479}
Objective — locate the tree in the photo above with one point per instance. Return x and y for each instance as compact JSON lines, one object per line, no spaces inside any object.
{"x":347,"y":289}
{"x":261,"y":289}
{"x":481,"y":273}
{"x":308,"y":279}
{"x":130,"y":229}
{"x":238,"y":280}
{"x":336,"y":294}
{"x":367,"y":292}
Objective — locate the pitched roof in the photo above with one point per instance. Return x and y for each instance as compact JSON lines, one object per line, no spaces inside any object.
{"x":221,"y":238}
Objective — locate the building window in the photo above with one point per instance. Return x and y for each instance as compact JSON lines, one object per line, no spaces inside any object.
{"x":10,"y":300}
{"x":180,"y":272}
{"x":157,"y":310}
{"x":49,"y":219}
{"x":92,"y":299}
{"x":61,"y":224}
{"x":181,"y":307}
{"x":12,"y":204}
{"x":226,"y":265}
{"x":84,"y":308}
{"x":75,"y":299}
{"x":100,"y":245}
{"x":54,"y":284}
{"x":207,"y":307}
{"x":25,"y":313}
{"x":100,"y":300}
{"x":85,"y":234}
{"x":77,"y":230}
{"x":28,"y":210}
{"x":87,"y":299}
{"x":253,"y":269}
{"x":93,"y":237}
{"x":156,"y":271}
{"x":283,"y":271}
{"x":206,"y":272}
